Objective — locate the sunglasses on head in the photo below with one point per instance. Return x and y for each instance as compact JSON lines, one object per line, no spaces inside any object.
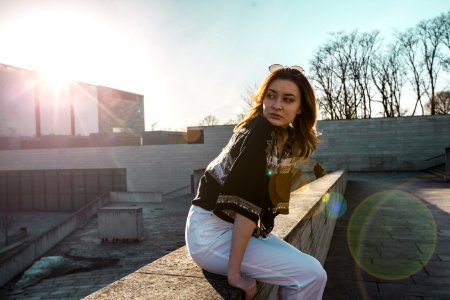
{"x":294,"y":70}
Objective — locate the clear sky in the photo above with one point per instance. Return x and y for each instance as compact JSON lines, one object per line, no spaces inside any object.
{"x":189,"y":58}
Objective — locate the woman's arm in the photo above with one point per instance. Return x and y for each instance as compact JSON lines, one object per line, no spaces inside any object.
{"x":242,"y":232}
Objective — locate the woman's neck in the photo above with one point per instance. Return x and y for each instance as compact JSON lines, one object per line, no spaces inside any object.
{"x":281,"y":138}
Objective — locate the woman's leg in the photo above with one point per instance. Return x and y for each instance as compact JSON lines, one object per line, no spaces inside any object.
{"x":269,"y":260}
{"x":275,"y":261}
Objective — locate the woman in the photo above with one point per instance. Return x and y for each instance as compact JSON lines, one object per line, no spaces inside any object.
{"x":248,"y":184}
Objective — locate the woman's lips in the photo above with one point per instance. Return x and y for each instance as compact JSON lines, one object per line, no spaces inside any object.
{"x":275,"y":116}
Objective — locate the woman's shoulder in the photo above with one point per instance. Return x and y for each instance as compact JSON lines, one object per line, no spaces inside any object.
{"x":258,"y":131}
{"x":259,"y":123}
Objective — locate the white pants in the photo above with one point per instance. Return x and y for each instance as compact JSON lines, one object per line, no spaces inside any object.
{"x":270,"y":259}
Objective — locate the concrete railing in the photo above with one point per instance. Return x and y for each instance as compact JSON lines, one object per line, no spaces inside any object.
{"x":447,"y":160}
{"x":19,"y":259}
{"x":176,"y":276}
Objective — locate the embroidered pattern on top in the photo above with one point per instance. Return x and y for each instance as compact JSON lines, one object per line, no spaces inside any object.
{"x":271,"y":152}
{"x":238,"y":201}
{"x":261,"y":231}
{"x":279,"y":164}
{"x":220,"y":167}
{"x":281,"y":206}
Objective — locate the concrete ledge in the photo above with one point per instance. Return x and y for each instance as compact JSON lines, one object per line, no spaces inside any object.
{"x":136,"y":197}
{"x":447,"y":160}
{"x":176,"y":276}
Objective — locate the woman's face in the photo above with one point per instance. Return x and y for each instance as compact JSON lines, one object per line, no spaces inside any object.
{"x":281,"y":103}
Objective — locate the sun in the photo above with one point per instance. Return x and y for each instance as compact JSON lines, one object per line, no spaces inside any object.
{"x":56,"y":75}
{"x":60,"y":45}
{"x":67,"y":43}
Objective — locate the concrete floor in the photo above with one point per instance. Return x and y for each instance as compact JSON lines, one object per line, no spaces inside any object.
{"x":394,"y":240}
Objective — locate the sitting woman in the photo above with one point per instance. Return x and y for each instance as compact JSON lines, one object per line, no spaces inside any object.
{"x":248,"y":184}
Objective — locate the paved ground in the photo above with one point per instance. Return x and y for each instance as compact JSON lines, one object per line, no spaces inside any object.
{"x":394,"y":240}
{"x":399,"y":244}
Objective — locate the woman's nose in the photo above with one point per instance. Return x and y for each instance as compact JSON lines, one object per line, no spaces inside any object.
{"x":277,"y":104}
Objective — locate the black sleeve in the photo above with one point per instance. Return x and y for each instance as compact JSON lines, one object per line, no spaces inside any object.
{"x":245,"y":188}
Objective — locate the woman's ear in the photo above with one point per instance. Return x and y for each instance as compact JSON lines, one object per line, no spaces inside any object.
{"x":299,"y":112}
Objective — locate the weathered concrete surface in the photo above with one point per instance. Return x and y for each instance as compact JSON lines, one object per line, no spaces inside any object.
{"x":447,"y":160}
{"x":176,"y":276}
{"x":403,"y":241}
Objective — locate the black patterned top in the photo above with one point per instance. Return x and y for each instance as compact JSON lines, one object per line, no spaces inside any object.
{"x":249,"y":177}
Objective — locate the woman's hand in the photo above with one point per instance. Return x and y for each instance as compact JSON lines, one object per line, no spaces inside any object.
{"x":242,"y":232}
{"x":245,"y":283}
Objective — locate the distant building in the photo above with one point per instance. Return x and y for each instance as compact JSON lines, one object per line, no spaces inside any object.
{"x":32,"y":107}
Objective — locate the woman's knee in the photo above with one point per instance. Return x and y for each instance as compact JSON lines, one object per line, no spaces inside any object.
{"x":310,"y":284}
{"x":316,"y":272}
{"x":321,"y":275}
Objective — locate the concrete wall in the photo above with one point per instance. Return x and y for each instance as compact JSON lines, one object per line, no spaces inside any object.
{"x":408,"y":143}
{"x":57,"y":190}
{"x":156,"y":168}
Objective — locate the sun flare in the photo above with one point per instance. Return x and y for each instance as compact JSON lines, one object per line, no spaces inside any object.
{"x":60,"y":45}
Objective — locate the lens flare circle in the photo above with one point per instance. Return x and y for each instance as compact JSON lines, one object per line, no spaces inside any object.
{"x":333,"y":205}
{"x":391,"y":235}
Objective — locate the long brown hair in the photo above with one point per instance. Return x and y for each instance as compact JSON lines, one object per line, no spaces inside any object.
{"x":304,"y":124}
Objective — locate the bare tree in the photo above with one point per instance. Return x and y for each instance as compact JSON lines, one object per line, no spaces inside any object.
{"x":248,"y":97}
{"x":346,"y":70}
{"x":340,"y":70}
{"x":409,"y":44}
{"x":421,"y":47}
{"x":322,"y":66}
{"x":364,"y":46}
{"x":444,"y":20}
{"x":388,"y":73}
{"x":209,"y":120}
{"x":441,"y":103}
{"x":430,"y":34}
{"x":331,"y":72}
{"x":248,"y":104}
{"x":340,"y":49}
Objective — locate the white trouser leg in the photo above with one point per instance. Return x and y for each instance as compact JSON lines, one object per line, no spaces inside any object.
{"x":272,"y":260}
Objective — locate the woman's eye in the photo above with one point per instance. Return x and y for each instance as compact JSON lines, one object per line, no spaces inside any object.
{"x":271,"y":96}
{"x":289,"y":100}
